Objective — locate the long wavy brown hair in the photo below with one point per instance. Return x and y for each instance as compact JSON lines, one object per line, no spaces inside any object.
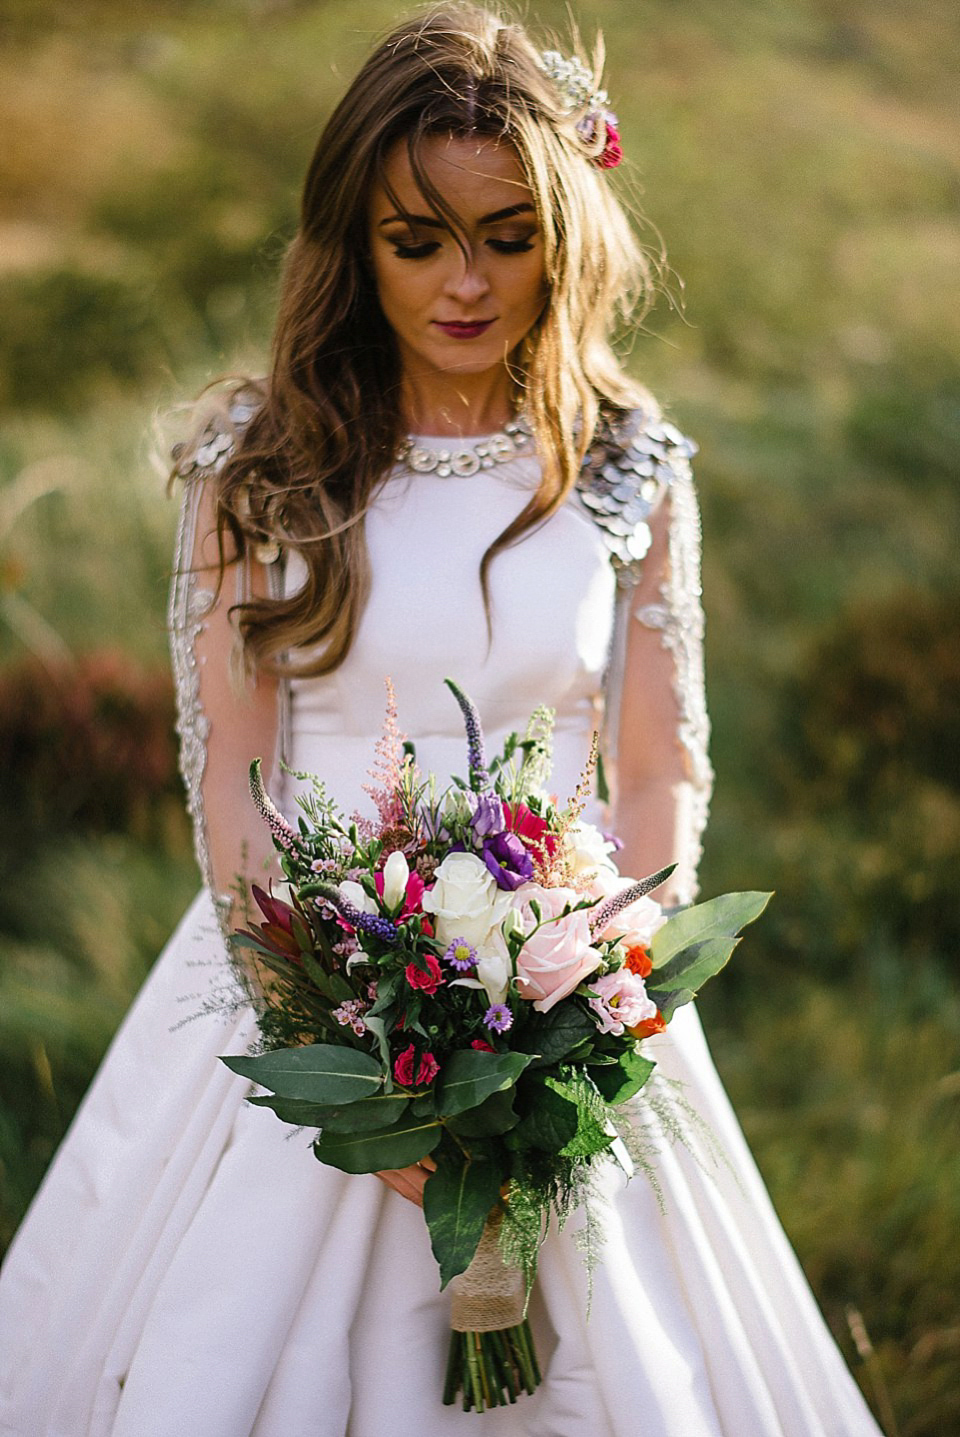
{"x":328,"y":419}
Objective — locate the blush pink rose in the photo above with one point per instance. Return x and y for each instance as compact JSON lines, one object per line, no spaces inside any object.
{"x":560,"y":954}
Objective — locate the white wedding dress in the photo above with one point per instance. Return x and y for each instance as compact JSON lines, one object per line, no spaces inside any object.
{"x":189,"y":1270}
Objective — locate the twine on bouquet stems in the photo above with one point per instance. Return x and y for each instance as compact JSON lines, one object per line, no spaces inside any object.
{"x":492,"y":1357}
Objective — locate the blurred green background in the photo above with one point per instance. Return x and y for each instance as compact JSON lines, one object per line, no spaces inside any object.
{"x":799,"y":158}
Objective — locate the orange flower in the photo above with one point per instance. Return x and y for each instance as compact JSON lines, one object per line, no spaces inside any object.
{"x":638,"y":961}
{"x":649,"y":1026}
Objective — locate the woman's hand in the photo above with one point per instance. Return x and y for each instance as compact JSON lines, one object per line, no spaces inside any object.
{"x":408,"y":1182}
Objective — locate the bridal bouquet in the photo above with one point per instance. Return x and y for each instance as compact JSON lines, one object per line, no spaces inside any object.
{"x":469,"y":978}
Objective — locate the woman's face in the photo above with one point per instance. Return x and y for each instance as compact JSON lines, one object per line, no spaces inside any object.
{"x":457,"y":305}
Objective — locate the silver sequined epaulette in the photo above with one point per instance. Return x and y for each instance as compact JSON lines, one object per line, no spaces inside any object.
{"x":215,"y":446}
{"x":625,"y":473}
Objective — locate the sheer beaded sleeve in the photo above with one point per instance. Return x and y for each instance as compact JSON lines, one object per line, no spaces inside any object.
{"x":638,"y":486}
{"x":222,"y":722}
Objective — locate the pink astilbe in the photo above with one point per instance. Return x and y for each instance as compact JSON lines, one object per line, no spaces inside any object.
{"x":387,"y":767}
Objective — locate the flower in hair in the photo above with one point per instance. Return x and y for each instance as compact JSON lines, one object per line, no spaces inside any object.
{"x":575,"y":84}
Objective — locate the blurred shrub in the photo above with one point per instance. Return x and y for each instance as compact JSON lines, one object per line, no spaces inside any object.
{"x":906,"y":417}
{"x":869,"y":778}
{"x":88,"y":744}
{"x":64,"y":332}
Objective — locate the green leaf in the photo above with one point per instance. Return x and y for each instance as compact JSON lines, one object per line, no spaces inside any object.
{"x":494,"y":1115}
{"x":456,"y":1201}
{"x":720,"y":917}
{"x":315,"y":1073}
{"x":395,"y":1147}
{"x":552,"y":1120}
{"x":624,"y":1079}
{"x":470,"y":1076}
{"x":377,"y":1113}
{"x":691,"y":968}
{"x":378,"y":1028}
{"x":556,"y":1033}
{"x":668,"y":1001}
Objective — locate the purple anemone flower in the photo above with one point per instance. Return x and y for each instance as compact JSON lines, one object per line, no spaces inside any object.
{"x":498,"y":1018}
{"x":461,"y":955}
{"x":507,"y":860}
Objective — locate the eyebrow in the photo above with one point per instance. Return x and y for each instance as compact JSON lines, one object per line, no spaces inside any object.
{"x":431,"y":222}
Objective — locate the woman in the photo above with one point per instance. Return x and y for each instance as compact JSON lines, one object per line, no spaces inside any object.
{"x":187,"y":1268}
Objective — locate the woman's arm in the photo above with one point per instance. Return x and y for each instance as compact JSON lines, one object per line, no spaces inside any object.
{"x":223,"y":722}
{"x":662,"y":777}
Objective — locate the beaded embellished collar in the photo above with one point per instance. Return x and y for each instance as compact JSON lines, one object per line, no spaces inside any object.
{"x":465,"y":458}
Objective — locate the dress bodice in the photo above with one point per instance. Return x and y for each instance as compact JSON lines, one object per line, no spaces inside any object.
{"x":552,"y":612}
{"x":562,"y":600}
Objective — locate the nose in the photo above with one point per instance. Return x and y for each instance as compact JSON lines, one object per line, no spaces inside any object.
{"x":466,"y":281}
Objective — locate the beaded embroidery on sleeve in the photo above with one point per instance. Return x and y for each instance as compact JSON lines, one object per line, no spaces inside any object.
{"x":190,"y":603}
{"x":627,"y":472}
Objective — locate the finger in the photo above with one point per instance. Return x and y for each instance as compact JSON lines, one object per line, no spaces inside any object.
{"x":402,"y":1181}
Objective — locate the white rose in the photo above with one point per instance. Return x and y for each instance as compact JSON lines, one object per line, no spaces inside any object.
{"x":588,"y":850}
{"x":466,"y":902}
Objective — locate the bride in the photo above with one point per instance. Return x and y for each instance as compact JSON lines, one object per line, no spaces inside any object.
{"x":446,"y":472}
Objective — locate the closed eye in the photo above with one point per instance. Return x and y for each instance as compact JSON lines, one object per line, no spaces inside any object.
{"x":428,"y":247}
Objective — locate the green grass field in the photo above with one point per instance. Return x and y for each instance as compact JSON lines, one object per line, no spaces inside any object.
{"x":798,"y":158}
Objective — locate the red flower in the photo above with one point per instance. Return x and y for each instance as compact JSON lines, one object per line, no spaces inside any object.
{"x":638,"y":961}
{"x":481,"y":1046}
{"x":403,"y":1069}
{"x":612,"y":153}
{"x":649,"y":1026}
{"x":428,"y":982}
{"x":530,"y":827}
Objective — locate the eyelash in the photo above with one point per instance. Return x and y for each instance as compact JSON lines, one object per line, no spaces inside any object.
{"x":421,"y":251}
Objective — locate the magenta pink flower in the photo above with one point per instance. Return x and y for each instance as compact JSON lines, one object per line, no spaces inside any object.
{"x":426,"y":1070}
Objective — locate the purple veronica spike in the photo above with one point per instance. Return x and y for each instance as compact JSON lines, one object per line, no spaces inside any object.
{"x":605,"y":914}
{"x":476,"y":758}
{"x":498,"y":1019}
{"x":284,"y":836}
{"x":372,"y":923}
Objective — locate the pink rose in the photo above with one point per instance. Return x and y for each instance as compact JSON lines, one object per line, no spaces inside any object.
{"x":621,"y":1001}
{"x":427,"y":982}
{"x":558,"y":955}
{"x":427,"y":1069}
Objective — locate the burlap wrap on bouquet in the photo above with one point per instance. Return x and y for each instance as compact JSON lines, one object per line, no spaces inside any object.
{"x":489,"y":1296}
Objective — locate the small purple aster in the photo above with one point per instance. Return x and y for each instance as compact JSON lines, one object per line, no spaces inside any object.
{"x":507,"y":859}
{"x":498,"y":1019}
{"x":461,"y":955}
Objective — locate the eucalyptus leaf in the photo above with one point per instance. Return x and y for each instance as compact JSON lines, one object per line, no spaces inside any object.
{"x":669,"y":1001}
{"x":720,"y":917}
{"x":551,"y":1122}
{"x":624,"y":1079}
{"x":456,"y":1201}
{"x":495,"y":1115}
{"x":397,"y":1147}
{"x":556,"y":1033}
{"x":369,"y":1114}
{"x":470,"y":1076}
{"x":693,"y":967}
{"x":316,"y":1073}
